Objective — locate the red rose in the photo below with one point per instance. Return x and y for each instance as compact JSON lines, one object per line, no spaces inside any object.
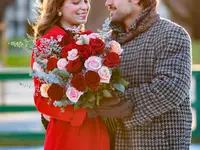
{"x":65,"y":49}
{"x":67,"y":38}
{"x":87,"y":32}
{"x":56,"y":92}
{"x":92,"y":79}
{"x":52,"y":63}
{"x":111,"y":59}
{"x":97,"y":46}
{"x":84,"y":51}
{"x":78,"y":81}
{"x":74,"y":66}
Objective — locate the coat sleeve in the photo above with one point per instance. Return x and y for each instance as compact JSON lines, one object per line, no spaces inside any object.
{"x":75,"y":117}
{"x":171,"y":83}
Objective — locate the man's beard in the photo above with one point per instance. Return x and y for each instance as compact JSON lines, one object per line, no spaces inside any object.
{"x":119,"y":17}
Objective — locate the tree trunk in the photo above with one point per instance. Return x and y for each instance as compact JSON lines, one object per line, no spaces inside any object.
{"x":187,"y":14}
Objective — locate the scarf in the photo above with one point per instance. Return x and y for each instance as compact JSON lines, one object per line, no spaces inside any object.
{"x":142,"y":23}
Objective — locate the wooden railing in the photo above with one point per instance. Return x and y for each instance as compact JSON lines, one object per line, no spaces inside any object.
{"x":29,"y":138}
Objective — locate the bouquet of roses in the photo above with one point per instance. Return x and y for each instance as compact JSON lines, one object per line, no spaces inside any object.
{"x":79,"y":70}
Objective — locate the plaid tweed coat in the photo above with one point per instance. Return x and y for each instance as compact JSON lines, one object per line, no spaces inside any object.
{"x":157,"y":64}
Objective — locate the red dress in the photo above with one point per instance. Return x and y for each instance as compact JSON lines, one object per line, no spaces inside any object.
{"x":71,"y":129}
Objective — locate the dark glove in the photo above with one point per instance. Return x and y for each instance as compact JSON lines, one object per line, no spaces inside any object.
{"x":91,"y":113}
{"x":109,"y":101}
{"x":120,"y":110}
{"x":44,"y":122}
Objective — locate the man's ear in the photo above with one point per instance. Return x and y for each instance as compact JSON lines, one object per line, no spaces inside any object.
{"x":134,"y":1}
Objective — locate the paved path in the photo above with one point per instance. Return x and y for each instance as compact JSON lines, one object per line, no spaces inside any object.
{"x":193,"y":147}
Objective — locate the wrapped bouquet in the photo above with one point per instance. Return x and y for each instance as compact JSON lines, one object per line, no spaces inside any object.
{"x":79,"y":71}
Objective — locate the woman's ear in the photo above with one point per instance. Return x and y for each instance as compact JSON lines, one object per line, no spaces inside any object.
{"x":60,"y":13}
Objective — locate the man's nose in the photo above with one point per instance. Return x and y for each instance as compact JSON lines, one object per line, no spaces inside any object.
{"x":108,"y":3}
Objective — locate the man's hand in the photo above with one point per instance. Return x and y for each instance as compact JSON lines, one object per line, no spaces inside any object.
{"x":120,"y":110}
{"x":109,"y":101}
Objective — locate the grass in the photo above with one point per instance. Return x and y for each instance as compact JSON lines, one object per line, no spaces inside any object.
{"x":196,"y":52}
{"x":18,"y":61}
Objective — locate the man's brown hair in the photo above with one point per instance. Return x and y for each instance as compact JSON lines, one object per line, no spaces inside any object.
{"x":147,"y":3}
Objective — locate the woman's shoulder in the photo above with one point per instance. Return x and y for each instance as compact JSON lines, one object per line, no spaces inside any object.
{"x":54,"y":31}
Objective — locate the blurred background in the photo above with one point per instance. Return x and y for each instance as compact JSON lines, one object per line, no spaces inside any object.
{"x":20,"y":126}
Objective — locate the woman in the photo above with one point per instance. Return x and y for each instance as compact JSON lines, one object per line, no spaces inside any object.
{"x":71,"y":129}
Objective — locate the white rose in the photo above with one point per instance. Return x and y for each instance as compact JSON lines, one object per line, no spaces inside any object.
{"x":116,"y":47}
{"x":37,"y":67}
{"x":83,"y":39}
{"x":73,"y":54}
{"x":94,"y":36}
{"x":43,"y":89}
{"x":73,"y":94}
{"x":104,"y":74}
{"x":62,"y":63}
{"x":93,"y":63}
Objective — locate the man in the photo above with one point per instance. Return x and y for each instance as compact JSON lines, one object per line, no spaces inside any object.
{"x":157,"y":63}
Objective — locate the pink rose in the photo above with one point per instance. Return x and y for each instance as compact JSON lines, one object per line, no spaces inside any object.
{"x":93,"y":63}
{"x":104,"y":74}
{"x":62,"y":63}
{"x":73,"y":54}
{"x":73,"y":94}
{"x":116,"y":47}
{"x":37,"y":67}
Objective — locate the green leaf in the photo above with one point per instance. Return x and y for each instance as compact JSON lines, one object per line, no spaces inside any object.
{"x":106,"y":94}
{"x":116,"y":72}
{"x":62,"y":73}
{"x":88,"y":104}
{"x":90,"y":97}
{"x":77,"y":105}
{"x":124,"y":82}
{"x":119,"y":87}
{"x":97,"y":100}
{"x":84,"y":41}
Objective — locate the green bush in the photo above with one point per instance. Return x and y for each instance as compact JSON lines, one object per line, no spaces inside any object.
{"x":196,"y":52}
